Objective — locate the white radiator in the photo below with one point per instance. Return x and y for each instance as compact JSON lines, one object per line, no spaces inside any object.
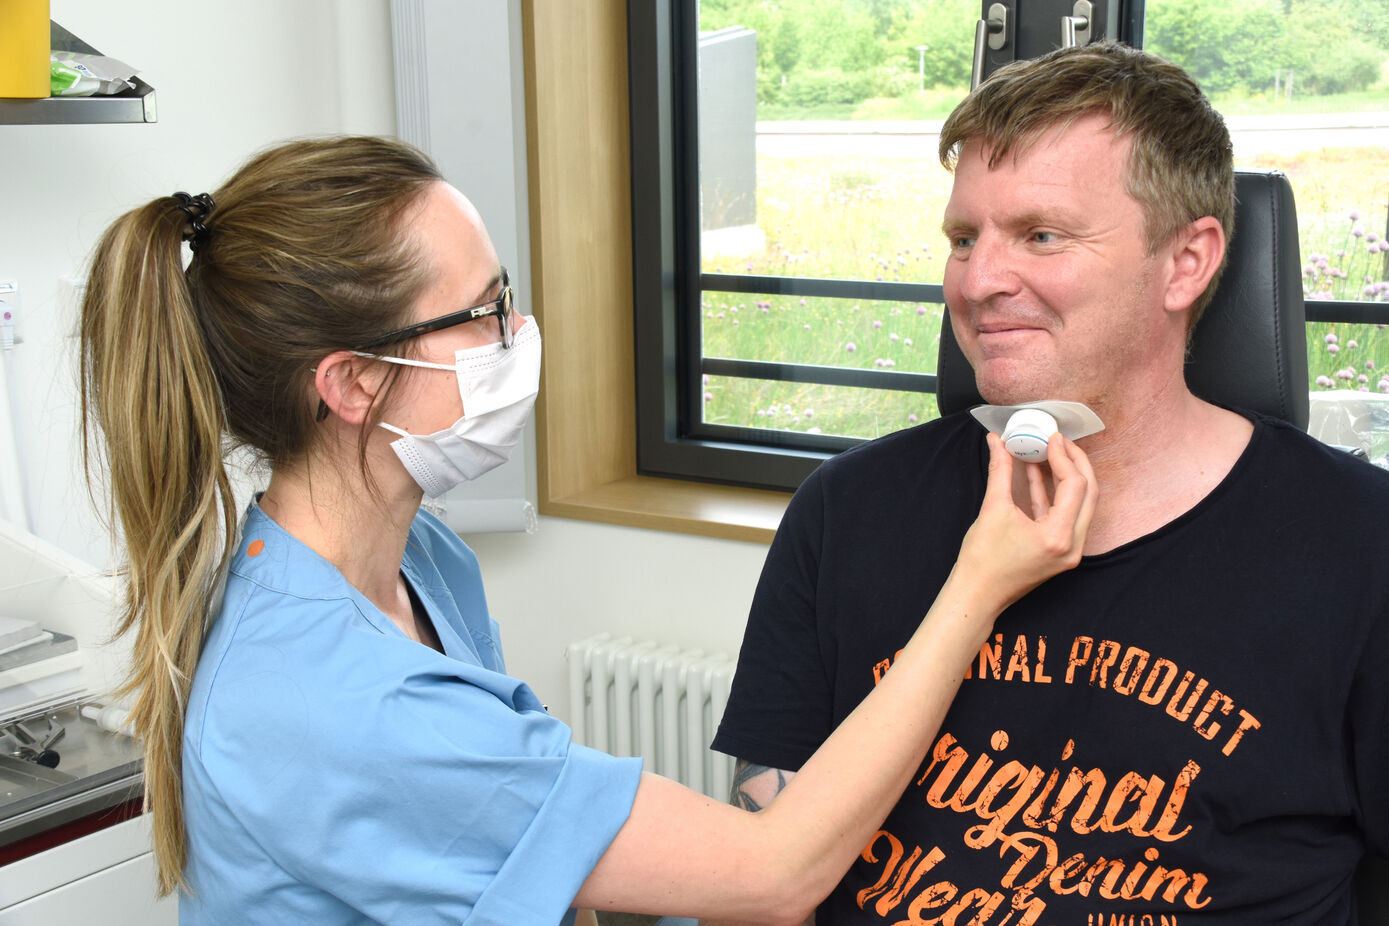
{"x":638,"y":698}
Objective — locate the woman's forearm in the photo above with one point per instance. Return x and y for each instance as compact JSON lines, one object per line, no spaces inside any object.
{"x":684,"y":853}
{"x":776,"y":865}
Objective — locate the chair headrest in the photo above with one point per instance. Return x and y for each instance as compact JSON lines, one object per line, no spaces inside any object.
{"x":1249,"y":350}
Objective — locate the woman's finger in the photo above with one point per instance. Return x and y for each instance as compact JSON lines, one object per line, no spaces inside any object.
{"x":1076,"y":491}
{"x":1000,"y":481}
{"x":1092,"y":490}
{"x":1037,"y":491}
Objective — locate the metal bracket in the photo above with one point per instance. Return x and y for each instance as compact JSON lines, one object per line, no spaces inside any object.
{"x":998,"y":26}
{"x":32,"y":747}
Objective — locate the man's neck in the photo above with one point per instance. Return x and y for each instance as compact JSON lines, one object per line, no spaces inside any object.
{"x":1156,"y":460}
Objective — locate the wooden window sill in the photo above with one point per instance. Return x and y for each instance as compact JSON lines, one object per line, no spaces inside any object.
{"x":672,"y":505}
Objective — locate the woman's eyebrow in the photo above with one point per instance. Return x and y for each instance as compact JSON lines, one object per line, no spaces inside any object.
{"x":486,"y":295}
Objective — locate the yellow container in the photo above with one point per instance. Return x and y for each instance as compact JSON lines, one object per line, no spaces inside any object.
{"x":24,"y":41}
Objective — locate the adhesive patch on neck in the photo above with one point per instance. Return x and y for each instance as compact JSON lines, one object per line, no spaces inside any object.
{"x":1026,"y":428}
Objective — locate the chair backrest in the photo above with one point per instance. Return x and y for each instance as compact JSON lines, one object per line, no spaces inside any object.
{"x":1250,"y":348}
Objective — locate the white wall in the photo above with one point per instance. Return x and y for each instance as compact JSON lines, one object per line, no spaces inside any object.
{"x":572,"y":579}
{"x":232,"y":78}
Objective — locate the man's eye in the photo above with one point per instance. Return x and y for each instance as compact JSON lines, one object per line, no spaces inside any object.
{"x":960,"y":241}
{"x":1043,"y":237}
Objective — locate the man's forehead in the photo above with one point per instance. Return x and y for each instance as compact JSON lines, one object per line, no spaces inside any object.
{"x":1069,"y":175}
{"x":1062,"y":132}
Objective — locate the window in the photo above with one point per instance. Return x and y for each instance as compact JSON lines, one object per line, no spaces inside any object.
{"x":788,"y":197}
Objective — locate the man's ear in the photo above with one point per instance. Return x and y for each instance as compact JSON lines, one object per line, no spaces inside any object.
{"x":1197,"y":252}
{"x":347,"y":384}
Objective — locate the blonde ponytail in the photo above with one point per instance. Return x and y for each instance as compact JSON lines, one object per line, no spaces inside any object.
{"x":150,"y":389}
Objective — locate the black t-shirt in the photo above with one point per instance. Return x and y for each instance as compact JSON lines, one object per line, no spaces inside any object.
{"x":1191,"y":728}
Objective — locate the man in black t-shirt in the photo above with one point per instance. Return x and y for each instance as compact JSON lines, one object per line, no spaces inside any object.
{"x":1193,"y":725}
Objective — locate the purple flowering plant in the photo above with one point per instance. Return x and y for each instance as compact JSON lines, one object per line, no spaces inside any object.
{"x":1351,"y":263}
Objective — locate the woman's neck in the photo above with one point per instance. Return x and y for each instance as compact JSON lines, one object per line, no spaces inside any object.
{"x":359,"y":529}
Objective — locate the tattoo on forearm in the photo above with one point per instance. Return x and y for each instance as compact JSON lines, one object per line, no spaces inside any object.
{"x":743,"y":773}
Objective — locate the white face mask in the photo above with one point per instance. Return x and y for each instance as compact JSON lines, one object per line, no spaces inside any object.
{"x":498,"y":386}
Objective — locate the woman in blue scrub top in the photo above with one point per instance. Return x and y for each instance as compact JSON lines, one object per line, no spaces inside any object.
{"x":330,"y":734}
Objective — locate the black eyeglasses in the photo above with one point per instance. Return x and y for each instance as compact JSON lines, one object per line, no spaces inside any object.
{"x":501,"y":308}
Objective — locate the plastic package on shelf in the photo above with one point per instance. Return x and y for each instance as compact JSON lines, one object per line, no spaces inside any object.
{"x":74,"y":73}
{"x":1355,"y":421}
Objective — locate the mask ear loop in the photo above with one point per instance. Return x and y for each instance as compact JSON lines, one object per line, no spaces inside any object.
{"x":322,"y":414}
{"x":406,"y":361}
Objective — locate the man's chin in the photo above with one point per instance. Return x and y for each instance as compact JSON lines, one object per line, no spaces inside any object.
{"x":996,"y":393}
{"x":1005,"y":381}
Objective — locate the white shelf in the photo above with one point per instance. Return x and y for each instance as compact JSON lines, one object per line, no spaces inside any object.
{"x":136,"y":105}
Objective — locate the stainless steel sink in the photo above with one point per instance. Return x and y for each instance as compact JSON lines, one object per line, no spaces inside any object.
{"x":20,"y":778}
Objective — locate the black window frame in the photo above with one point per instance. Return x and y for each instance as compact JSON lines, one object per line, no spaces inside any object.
{"x":667,"y":282}
{"x":672,"y":440}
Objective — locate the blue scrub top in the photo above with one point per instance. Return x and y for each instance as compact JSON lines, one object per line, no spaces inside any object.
{"x":335,"y":771}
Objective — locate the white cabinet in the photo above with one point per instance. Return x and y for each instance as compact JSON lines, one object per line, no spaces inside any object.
{"x":106,"y":877}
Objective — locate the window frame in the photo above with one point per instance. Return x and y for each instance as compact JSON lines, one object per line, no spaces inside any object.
{"x":672,"y":441}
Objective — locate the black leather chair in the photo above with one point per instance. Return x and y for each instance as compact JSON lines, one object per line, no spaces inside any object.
{"x":1250,"y":348}
{"x":1249,"y":351}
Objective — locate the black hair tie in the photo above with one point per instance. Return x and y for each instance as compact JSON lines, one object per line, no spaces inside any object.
{"x":196,"y":208}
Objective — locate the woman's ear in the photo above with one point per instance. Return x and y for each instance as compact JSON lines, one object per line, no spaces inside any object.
{"x":1198,"y":252}
{"x":347,"y":385}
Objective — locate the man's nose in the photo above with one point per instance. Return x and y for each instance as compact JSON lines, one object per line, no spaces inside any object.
{"x":989,"y":271}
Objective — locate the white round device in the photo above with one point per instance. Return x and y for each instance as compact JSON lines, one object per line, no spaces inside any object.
{"x":1027,"y":432}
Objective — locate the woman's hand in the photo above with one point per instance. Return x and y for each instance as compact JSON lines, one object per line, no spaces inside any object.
{"x":1008,"y":551}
